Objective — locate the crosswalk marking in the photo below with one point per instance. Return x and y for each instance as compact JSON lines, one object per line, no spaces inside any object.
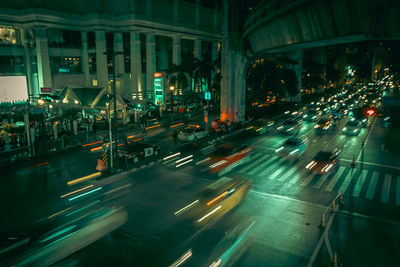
{"x":264,"y":172}
{"x":346,"y":181}
{"x":251,"y":165}
{"x":397,"y":200}
{"x":262,"y":165}
{"x":386,"y":189}
{"x":359,"y":184}
{"x":308,"y":179}
{"x":298,"y":176}
{"x":288,"y":174}
{"x":277,"y":172}
{"x":372,"y":186}
{"x":320,"y":181}
{"x":335,"y":178}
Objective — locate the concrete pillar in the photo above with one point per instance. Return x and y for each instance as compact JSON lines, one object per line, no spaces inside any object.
{"x":320,"y":56}
{"x":119,"y":62}
{"x":150,"y":63}
{"x":43,"y":61}
{"x":162,"y":54}
{"x":85,"y":59}
{"x":197,"y":49}
{"x":28,"y":65}
{"x":233,"y":79}
{"x":176,"y":50}
{"x":175,"y":12}
{"x":101,"y":59}
{"x":297,"y":55}
{"x":197,"y":14}
{"x":216,"y":17}
{"x":136,"y":66}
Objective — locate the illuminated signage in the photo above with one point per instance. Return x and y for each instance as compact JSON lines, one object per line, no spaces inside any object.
{"x":158,"y":90}
{"x":158,"y":74}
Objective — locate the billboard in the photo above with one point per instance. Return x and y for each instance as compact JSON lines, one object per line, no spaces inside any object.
{"x":13,"y":89}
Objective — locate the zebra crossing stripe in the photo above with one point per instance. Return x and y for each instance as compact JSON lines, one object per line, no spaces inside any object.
{"x":347,"y":180}
{"x":298,"y":176}
{"x":320,"y":181}
{"x":254,"y":163}
{"x":359,"y":184}
{"x":308,"y":179}
{"x":277,"y":172}
{"x":372,"y":186}
{"x":335,"y":179}
{"x":264,"y":172}
{"x":386,"y":188}
{"x":252,"y":172}
{"x":397,"y":200}
{"x":288,"y":174}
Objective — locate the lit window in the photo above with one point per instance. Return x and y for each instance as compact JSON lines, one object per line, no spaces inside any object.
{"x":94,"y":82}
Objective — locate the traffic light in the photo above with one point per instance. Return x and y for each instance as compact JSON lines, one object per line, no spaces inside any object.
{"x":370,"y":112}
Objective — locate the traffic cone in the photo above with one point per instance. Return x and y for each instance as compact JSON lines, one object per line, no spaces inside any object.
{"x":353,"y":163}
{"x":100,"y":165}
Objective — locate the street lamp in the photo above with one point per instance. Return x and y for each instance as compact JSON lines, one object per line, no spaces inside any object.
{"x":172,"y":88}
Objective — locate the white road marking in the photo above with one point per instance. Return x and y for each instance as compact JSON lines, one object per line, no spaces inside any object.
{"x":254,"y":163}
{"x":386,"y":188}
{"x":397,"y":200}
{"x":335,"y":179}
{"x":277,"y":172}
{"x":372,"y":186}
{"x":366,"y":139}
{"x":298,"y":176}
{"x":264,"y":172}
{"x":287,"y":174}
{"x":359,"y":184}
{"x":308,"y":179}
{"x":347,"y":181}
{"x":372,"y":164}
{"x":262,"y":165}
{"x":320,"y":181}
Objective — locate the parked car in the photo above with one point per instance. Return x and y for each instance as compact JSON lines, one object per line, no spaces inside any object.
{"x":138,"y":151}
{"x":192,"y":134}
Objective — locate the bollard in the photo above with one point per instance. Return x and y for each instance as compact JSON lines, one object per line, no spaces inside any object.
{"x":340,"y":198}
{"x":333,"y":206}
{"x":353,"y":163}
{"x":334,"y":261}
{"x":322,"y":224}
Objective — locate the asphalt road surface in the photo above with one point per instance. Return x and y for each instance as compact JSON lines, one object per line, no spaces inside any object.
{"x":285,"y":203}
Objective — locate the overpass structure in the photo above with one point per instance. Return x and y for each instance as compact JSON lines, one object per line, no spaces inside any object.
{"x":286,"y":27}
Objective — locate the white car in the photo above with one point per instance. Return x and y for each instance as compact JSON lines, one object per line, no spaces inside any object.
{"x":192,"y":134}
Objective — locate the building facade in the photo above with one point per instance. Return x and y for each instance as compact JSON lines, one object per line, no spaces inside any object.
{"x":81,"y":43}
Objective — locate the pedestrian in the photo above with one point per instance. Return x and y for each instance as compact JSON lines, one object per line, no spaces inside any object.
{"x":362,"y":144}
{"x":175,"y":137}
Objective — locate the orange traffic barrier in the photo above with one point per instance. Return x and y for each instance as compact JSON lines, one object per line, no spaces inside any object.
{"x":176,"y":125}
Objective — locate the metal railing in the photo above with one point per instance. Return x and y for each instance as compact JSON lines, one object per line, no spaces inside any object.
{"x":331,"y":209}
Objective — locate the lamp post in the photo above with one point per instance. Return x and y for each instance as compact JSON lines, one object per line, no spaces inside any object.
{"x":172,"y":88}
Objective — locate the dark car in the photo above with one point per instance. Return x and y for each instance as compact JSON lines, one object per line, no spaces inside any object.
{"x":324,"y":161}
{"x":138,"y":151}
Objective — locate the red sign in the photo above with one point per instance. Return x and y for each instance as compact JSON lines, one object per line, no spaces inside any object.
{"x":46,"y":90}
{"x":158,"y":74}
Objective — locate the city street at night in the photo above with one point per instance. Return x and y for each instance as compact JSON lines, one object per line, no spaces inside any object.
{"x":199,"y":133}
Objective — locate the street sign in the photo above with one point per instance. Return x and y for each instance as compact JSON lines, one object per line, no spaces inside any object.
{"x":207,"y":95}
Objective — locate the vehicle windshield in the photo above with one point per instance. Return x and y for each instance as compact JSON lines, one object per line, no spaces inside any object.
{"x":323,"y":156}
{"x":188,"y":130}
{"x":292,"y":142}
{"x":352,"y":123}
